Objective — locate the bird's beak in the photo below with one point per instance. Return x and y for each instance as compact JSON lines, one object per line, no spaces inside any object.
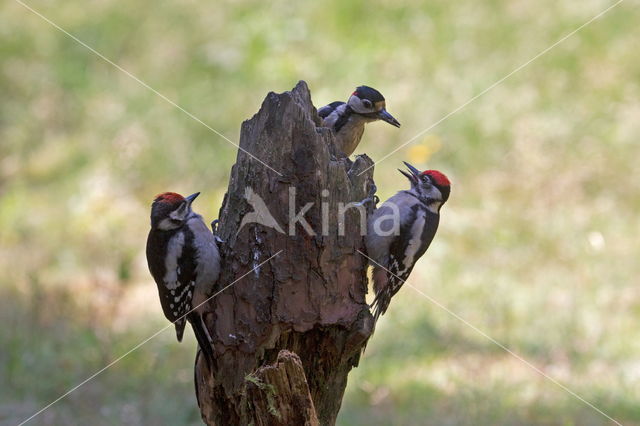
{"x":385,"y":116}
{"x":409,"y":176}
{"x":191,"y":197}
{"x":412,"y":169}
{"x":413,"y":176}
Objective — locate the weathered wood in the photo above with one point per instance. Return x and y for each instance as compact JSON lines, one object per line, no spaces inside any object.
{"x":278,"y":394}
{"x":310,"y":298}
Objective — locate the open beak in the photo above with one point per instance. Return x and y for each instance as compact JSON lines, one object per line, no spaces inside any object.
{"x":191,"y":197}
{"x":385,"y":116}
{"x":413,"y":176}
{"x":413,"y":170}
{"x":409,"y":176}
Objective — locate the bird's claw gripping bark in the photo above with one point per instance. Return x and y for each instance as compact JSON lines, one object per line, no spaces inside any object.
{"x":372,"y":199}
{"x":214,"y":230}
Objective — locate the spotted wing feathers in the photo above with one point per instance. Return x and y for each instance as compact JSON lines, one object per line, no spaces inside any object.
{"x":393,"y":282}
{"x":326,"y":110}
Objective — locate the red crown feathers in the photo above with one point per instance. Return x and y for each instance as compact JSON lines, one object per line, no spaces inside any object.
{"x":439,"y":178}
{"x":169,"y":197}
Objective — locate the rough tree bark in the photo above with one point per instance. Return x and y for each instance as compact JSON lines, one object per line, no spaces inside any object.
{"x":279,"y":394}
{"x":310,"y":298}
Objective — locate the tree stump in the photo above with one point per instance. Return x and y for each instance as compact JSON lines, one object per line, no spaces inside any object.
{"x":309,"y":298}
{"x":278,"y":394}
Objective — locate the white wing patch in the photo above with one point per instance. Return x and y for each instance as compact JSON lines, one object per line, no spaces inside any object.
{"x":415,"y":242}
{"x":174,"y":251}
{"x":331,"y":119}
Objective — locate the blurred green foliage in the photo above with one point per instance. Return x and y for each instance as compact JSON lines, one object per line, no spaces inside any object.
{"x":538,"y":246}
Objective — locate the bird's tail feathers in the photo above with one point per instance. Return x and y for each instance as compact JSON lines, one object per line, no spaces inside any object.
{"x":380,"y":304}
{"x":180,"y":328}
{"x":203,"y":338}
{"x":195,"y":375}
{"x":378,"y":307}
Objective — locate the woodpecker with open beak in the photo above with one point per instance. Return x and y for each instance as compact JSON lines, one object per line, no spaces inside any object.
{"x":347,"y":120}
{"x":184,"y":261}
{"x":400,"y":231}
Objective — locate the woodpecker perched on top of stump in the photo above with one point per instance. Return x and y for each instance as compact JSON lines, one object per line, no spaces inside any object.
{"x":347,"y":120}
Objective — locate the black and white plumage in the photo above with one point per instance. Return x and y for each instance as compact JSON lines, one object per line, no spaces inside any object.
{"x":400,"y":231}
{"x":184,"y":261}
{"x":347,"y":120}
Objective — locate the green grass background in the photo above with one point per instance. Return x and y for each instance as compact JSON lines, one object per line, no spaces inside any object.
{"x":538,"y":247}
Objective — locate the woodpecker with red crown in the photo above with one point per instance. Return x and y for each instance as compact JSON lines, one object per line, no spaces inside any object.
{"x":400,"y":231}
{"x":347,"y":120}
{"x":184,"y":261}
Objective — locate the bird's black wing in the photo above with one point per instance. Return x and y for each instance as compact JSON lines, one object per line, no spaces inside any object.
{"x":175,"y":295}
{"x":187,"y":279}
{"x":328,"y":109}
{"x":399,"y":267}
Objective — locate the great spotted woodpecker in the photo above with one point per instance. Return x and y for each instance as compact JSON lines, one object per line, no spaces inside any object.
{"x":184,"y":261}
{"x":400,"y":231}
{"x":347,"y":120}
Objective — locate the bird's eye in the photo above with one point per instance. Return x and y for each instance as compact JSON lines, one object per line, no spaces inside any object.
{"x":366,"y":103}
